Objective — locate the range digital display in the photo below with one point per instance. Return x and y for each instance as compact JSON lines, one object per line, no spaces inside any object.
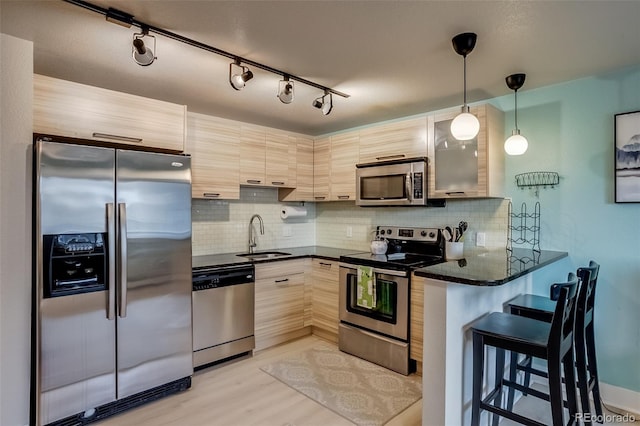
{"x":405,"y":233}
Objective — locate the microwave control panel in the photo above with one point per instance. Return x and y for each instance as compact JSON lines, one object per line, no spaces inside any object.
{"x":418,"y":186}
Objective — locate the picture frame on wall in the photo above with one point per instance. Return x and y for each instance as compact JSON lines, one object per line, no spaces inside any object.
{"x":627,"y":157}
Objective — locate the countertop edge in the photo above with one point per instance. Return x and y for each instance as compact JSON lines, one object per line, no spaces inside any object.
{"x":432,"y":272}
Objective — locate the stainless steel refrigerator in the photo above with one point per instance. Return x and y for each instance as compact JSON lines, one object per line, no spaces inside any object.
{"x":112,"y":297}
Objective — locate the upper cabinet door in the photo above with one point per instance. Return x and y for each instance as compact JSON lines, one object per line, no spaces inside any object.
{"x":76,"y":110}
{"x":467,"y":169}
{"x":278,"y":158}
{"x":392,"y":141}
{"x":321,"y":158}
{"x":303,"y":190}
{"x":344,"y":156}
{"x":214,"y":145}
{"x":252,"y":155}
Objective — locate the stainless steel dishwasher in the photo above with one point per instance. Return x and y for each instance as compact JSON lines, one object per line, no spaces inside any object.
{"x":223,"y":312}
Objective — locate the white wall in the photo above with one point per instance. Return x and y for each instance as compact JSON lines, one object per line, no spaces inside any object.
{"x":16,"y":94}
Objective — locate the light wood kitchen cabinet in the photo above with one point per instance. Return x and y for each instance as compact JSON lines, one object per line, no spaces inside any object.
{"x":279,"y":303}
{"x":325,"y":298}
{"x":393,"y":141}
{"x":467,"y":169}
{"x":321,"y":161}
{"x":342,"y":168}
{"x":416,"y":321}
{"x":214,"y":145}
{"x":267,"y":157}
{"x":303,"y":190}
{"x":253,"y":145}
{"x":65,"y":108}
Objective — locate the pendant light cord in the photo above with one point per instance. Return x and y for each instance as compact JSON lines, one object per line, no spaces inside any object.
{"x":464,"y":83}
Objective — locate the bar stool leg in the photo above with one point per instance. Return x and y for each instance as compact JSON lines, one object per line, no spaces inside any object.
{"x":513,"y":376}
{"x":570,"y":386}
{"x":592,"y":366}
{"x":497,"y":401}
{"x":555,"y":391}
{"x":478,"y":367}
{"x":583,"y":377}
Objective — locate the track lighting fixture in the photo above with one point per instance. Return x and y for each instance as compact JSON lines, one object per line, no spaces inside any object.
{"x":324,"y":103}
{"x":516,"y":144}
{"x":239,"y":74}
{"x":142,"y":54}
{"x":465,"y":126}
{"x":285,"y":90}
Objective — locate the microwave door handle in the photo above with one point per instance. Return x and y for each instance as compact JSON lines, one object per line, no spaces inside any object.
{"x":122,"y":239}
{"x":408,"y":185}
{"x":111,"y":242}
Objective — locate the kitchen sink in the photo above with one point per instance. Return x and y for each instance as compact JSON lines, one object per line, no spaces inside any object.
{"x":264,"y":254}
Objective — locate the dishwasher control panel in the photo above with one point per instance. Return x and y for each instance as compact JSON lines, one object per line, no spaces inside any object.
{"x":205,"y":279}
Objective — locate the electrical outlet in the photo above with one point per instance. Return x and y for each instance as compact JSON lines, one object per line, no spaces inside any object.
{"x":480,"y":239}
{"x":349,"y":231}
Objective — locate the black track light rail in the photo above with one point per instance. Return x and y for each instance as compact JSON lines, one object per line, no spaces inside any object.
{"x":128,"y":20}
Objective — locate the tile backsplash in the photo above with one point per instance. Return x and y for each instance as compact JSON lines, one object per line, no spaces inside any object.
{"x":222,"y":226}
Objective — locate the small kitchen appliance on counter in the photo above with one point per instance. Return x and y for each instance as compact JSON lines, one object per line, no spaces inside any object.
{"x":374,"y":295}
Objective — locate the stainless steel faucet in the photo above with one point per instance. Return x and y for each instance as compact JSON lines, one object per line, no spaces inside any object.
{"x":252,"y":237}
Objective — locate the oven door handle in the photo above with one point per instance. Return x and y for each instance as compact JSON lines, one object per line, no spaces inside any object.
{"x":377,"y":270}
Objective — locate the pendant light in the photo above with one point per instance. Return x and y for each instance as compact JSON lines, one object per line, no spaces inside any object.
{"x":465,"y":126}
{"x":516,"y":144}
{"x":142,"y":54}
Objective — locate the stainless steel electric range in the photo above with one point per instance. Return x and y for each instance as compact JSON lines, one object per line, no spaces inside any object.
{"x":374,"y":295}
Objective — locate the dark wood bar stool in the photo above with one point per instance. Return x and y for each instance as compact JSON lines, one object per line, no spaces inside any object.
{"x":552,"y":342}
{"x":542,"y":308}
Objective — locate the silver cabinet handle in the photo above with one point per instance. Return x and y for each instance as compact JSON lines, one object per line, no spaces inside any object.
{"x":455,"y":193}
{"x":282,"y":280}
{"x":116,"y":137}
{"x":111,"y":242}
{"x":122,"y":243}
{"x":277,"y":183}
{"x":211,"y":194}
{"x":320,"y":197}
{"x":253,"y":181}
{"x":343,"y":197}
{"x":325,"y":265}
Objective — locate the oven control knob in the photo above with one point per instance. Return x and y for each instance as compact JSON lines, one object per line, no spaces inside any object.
{"x":432,"y":234}
{"x":388,"y":231}
{"x":423,"y":233}
{"x":381,"y":232}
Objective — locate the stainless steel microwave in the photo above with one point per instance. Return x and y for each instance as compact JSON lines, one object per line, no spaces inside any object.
{"x":392,"y":183}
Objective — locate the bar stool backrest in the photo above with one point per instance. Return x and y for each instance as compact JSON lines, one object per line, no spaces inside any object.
{"x":561,"y":334}
{"x":587,"y":293}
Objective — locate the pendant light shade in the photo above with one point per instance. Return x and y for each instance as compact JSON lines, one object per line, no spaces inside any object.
{"x":466,"y":125}
{"x":142,"y":54}
{"x":516,"y":144}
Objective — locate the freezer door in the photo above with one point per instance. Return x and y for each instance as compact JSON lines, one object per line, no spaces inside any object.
{"x":154,"y":341}
{"x":75,"y":340}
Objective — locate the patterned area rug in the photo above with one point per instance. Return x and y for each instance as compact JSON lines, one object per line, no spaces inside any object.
{"x":362,"y":392}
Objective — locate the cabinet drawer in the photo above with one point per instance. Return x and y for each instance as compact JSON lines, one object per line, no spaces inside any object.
{"x":76,"y":110}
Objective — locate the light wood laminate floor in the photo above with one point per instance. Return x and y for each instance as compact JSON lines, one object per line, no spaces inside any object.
{"x":238,"y":393}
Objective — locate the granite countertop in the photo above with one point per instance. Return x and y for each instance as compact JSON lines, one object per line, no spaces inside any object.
{"x":229,"y":259}
{"x":491,"y":268}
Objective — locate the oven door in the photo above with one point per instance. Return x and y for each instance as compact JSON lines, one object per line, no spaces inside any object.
{"x":390,"y":315}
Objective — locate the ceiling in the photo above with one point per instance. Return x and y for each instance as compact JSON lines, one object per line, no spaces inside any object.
{"x":394,"y":58}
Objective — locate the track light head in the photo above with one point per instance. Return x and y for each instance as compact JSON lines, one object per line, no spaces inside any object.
{"x":285,"y":90}
{"x":239,"y":75}
{"x":324,"y":103}
{"x":142,"y":54}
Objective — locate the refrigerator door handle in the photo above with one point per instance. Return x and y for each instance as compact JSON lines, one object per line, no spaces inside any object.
{"x":122,"y":261}
{"x":111,"y":242}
